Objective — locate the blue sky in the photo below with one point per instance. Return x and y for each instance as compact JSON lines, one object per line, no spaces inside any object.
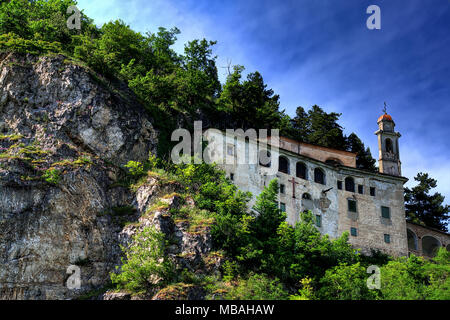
{"x":321,"y":52}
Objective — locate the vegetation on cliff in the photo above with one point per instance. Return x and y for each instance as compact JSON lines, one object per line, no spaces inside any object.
{"x":265,"y":257}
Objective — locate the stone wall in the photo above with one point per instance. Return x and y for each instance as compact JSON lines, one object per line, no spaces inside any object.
{"x":329,"y":202}
{"x":371,"y":227}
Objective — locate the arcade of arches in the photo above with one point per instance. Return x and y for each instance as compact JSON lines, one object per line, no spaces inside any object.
{"x":424,"y":241}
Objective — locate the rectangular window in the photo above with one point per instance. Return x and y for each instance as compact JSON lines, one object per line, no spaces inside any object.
{"x":372,"y":191}
{"x":360,"y":189}
{"x":351,"y":205}
{"x":318,"y":220}
{"x":282,"y":188}
{"x":354,"y":232}
{"x":387,"y":238}
{"x":386,"y":212}
{"x":232,"y":176}
{"x":230,"y":150}
{"x":339,"y":184}
{"x":283,"y":207}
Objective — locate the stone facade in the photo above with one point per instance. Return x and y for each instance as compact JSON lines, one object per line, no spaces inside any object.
{"x":327,"y":182}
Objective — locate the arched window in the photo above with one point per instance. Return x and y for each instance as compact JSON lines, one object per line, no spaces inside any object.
{"x":412,"y":240}
{"x":319,"y":176}
{"x":350,"y":184}
{"x":264,"y":158}
{"x":301,"y":172}
{"x":430,"y":245}
{"x":283,"y":164}
{"x":388,"y":145}
{"x":306,"y":196}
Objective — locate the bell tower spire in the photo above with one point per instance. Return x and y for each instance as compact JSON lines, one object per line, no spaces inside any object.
{"x":388,"y":150}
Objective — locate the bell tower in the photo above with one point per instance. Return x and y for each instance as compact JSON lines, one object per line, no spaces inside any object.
{"x":389,"y":155}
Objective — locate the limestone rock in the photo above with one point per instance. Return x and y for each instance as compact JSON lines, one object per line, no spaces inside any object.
{"x":116,"y":296}
{"x":56,"y":115}
{"x":63,"y":137}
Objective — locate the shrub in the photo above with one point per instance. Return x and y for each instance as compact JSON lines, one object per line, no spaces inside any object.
{"x":414,"y":278}
{"x":135,"y":168}
{"x":230,"y":270}
{"x":346,"y":282}
{"x":11,"y":42}
{"x":145,"y":266}
{"x":438,"y":272}
{"x":257,"y":287}
{"x":52,"y":176}
{"x":306,"y":292}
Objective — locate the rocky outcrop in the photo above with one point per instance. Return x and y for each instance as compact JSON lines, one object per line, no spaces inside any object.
{"x":191,"y":245}
{"x":55,"y":101}
{"x":63,"y":136}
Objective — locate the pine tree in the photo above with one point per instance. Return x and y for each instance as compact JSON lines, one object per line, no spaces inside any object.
{"x":364,"y":158}
{"x":427,"y":208}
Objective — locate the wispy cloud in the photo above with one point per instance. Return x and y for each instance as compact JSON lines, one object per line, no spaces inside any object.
{"x":320,"y":52}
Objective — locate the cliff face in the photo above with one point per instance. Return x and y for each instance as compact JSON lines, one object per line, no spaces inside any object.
{"x":190,"y":244}
{"x":62,"y":137}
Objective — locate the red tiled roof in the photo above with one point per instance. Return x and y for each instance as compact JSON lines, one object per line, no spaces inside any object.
{"x":385,"y":117}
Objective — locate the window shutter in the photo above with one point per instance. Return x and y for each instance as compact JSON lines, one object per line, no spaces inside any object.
{"x":385,"y":212}
{"x":318,"y":220}
{"x":351,"y":205}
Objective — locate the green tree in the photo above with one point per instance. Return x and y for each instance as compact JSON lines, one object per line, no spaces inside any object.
{"x":318,"y":127}
{"x":422,"y":206}
{"x":217,"y":194}
{"x":48,"y":22}
{"x":146,"y":265}
{"x":300,"y":125}
{"x":14,"y":16}
{"x":250,"y":103}
{"x":364,"y":159}
{"x":117,"y":46}
{"x":267,"y":214}
{"x":201,"y":70}
{"x":314,"y":253}
{"x":324,"y":129}
{"x":272,"y":246}
{"x":260,"y":248}
{"x":346,"y":282}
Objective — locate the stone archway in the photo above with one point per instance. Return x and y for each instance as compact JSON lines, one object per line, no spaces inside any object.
{"x":412,"y":240}
{"x":430,"y":245}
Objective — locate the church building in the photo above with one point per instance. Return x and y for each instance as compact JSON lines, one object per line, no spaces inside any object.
{"x":368,"y":205}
